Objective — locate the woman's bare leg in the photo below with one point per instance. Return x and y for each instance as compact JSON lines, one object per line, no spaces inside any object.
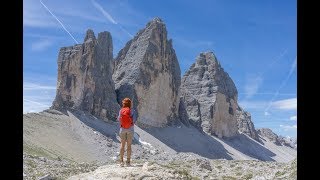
{"x":129,"y":142}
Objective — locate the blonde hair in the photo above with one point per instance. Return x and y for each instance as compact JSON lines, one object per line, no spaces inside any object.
{"x":126,"y":102}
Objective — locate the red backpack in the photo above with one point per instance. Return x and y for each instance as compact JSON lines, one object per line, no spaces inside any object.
{"x":125,"y":118}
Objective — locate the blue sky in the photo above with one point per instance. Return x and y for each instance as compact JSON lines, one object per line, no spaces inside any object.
{"x":255,"y":42}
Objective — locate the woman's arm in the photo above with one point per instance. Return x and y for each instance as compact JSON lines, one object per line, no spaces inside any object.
{"x":118,"y":117}
{"x":133,"y":115}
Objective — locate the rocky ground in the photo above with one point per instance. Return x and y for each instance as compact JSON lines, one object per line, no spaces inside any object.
{"x":61,"y":145}
{"x":195,"y":169}
{"x":37,"y":167}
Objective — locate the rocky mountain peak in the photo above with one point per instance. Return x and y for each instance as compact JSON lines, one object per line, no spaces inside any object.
{"x":147,"y":70}
{"x":206,"y":58}
{"x":85,"y":77}
{"x":89,"y":35}
{"x":210,"y":97}
{"x":269,"y":134}
{"x":245,"y":125}
{"x":209,"y":100}
{"x":154,"y":21}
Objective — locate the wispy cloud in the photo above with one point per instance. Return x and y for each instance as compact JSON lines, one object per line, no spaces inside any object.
{"x":41,"y":36}
{"x":39,"y":78}
{"x":104,"y":12}
{"x":38,"y":13}
{"x":37,"y":22}
{"x":253,"y":104}
{"x":252,"y":85}
{"x":284,"y":82}
{"x":35,"y":16}
{"x":267,"y":114}
{"x":41,"y":45}
{"x":59,"y":21}
{"x":273,"y":62}
{"x":286,"y":104}
{"x":287,"y":127}
{"x":33,"y":106}
{"x":33,"y":86}
{"x":124,"y":30}
{"x":37,"y":103}
{"x":109,"y":17}
{"x":269,"y":93}
{"x":293,"y":118}
{"x":80,"y":14}
{"x":37,"y":96}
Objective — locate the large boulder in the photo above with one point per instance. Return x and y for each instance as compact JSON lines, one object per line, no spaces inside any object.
{"x":147,"y":71}
{"x":85,"y":77}
{"x":209,"y":97}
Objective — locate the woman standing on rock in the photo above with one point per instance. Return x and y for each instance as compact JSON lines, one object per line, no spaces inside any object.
{"x":127,"y":118}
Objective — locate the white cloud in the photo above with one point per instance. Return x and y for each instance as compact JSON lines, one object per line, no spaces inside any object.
{"x":35,"y":102}
{"x":62,"y":25}
{"x":104,"y":12}
{"x":109,"y":17}
{"x":33,"y":86}
{"x":31,"y":77}
{"x":252,"y":85}
{"x":267,"y":114}
{"x":41,"y":45}
{"x":33,"y":106}
{"x":41,"y":36}
{"x":253,"y":104}
{"x":284,"y":82}
{"x":34,"y":15}
{"x":287,"y":127}
{"x":37,"y":96}
{"x":286,"y":104}
{"x":80,"y":14}
{"x":269,"y":93}
{"x":293,"y":118}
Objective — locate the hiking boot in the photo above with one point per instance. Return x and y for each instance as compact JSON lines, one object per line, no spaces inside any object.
{"x":128,"y":163}
{"x":122,"y":164}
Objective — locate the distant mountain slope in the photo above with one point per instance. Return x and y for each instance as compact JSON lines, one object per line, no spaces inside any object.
{"x":84,"y":138}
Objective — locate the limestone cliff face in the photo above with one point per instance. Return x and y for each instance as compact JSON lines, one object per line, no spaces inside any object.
{"x":147,"y":71}
{"x":245,"y":125}
{"x":209,"y":97}
{"x":85,"y":77}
